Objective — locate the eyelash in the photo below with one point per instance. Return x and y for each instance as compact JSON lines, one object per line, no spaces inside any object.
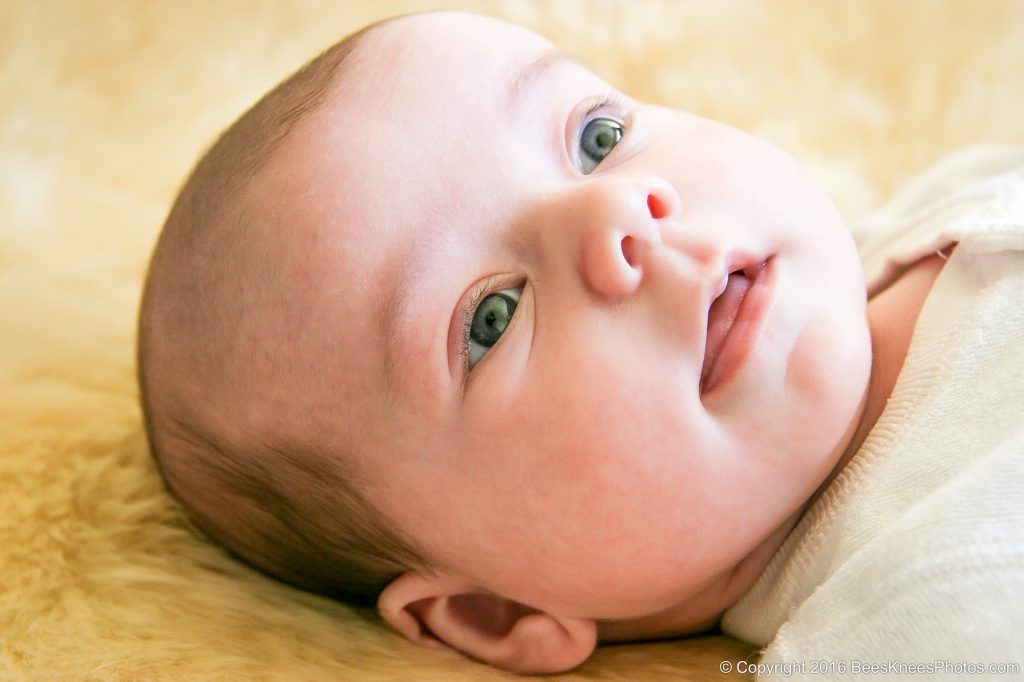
{"x":478,"y":296}
{"x":610,"y":99}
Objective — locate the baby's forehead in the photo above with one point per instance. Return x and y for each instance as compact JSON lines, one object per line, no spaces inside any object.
{"x":434,"y":56}
{"x":399,"y":120}
{"x":452,"y":32}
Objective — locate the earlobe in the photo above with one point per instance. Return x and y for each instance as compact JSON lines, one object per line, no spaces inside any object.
{"x":438,"y":612}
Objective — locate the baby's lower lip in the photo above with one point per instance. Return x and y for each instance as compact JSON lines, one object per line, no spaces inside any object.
{"x":734,"y":323}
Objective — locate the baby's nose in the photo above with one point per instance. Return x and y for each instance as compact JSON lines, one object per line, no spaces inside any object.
{"x":619,"y":220}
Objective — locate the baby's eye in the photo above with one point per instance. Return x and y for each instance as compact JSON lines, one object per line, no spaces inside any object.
{"x":597,"y":141}
{"x":488,"y":322}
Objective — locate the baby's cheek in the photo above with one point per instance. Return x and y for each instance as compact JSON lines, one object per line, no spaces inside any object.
{"x":808,"y":371}
{"x":827,"y":373}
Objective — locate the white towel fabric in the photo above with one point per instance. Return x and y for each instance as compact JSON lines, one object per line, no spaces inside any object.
{"x":914,"y":556}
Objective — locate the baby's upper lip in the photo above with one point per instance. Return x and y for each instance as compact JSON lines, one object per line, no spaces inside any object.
{"x":719,"y":289}
{"x":744,"y":262}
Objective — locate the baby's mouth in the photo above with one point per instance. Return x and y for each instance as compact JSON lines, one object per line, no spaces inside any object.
{"x":721,"y":315}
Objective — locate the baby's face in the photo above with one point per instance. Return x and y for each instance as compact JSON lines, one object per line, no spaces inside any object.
{"x":573,"y":457}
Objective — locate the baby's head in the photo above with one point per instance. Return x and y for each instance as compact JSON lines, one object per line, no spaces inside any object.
{"x":566,"y":462}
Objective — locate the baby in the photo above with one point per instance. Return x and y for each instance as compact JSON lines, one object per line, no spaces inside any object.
{"x":447,"y":325}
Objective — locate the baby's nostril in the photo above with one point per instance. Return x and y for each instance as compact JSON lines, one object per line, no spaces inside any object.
{"x":656,"y":206}
{"x":628,"y":250}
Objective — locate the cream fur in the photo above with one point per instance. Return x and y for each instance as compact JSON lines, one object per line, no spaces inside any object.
{"x":105,"y":107}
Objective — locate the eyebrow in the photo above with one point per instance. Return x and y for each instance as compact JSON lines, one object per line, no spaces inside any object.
{"x":395,"y":310}
{"x":533,"y":72}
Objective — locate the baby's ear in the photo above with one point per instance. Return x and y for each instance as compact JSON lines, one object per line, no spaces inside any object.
{"x":439,"y":612}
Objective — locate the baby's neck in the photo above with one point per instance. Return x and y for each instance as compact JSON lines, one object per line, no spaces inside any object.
{"x":892,"y":316}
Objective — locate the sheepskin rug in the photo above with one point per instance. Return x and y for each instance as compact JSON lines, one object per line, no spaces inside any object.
{"x":105,"y":107}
